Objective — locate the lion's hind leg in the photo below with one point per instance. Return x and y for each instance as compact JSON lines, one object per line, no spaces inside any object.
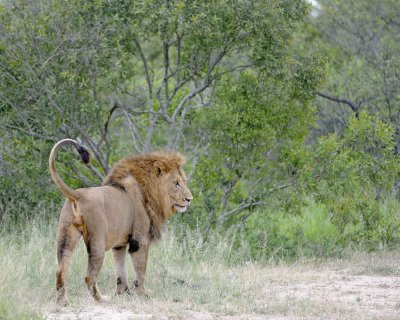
{"x":96,"y":251}
{"x":67,"y":238}
{"x":120,"y":266}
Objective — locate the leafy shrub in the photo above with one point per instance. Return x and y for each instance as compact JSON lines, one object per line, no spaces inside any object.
{"x":348,"y":181}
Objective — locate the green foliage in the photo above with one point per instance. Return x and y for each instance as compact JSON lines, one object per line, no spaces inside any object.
{"x":231,"y":84}
{"x":316,"y":231}
{"x":363,"y":158}
{"x":351,"y":177}
{"x":277,"y":235}
{"x":255,"y":116}
{"x":54,"y":63}
{"x":106,"y":72}
{"x":361,"y":42}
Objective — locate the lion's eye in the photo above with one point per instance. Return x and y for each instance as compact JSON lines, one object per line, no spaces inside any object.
{"x":177,"y":184}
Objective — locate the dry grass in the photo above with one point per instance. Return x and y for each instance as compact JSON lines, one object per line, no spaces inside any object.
{"x":194,"y":279}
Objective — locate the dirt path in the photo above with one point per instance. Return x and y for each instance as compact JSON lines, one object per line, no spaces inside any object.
{"x":340,"y":296}
{"x":283,"y":292}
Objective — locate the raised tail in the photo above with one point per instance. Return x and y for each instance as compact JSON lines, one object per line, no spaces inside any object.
{"x":66,"y":190}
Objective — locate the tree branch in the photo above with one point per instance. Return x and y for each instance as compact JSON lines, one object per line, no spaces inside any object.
{"x":355,"y":108}
{"x":223,"y":217}
{"x":92,"y":144}
{"x":152,"y":120}
{"x":30,"y":133}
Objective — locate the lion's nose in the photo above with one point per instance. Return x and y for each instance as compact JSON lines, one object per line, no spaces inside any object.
{"x":189,"y":199}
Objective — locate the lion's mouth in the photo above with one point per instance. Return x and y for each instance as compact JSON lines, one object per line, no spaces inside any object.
{"x":180,"y":208}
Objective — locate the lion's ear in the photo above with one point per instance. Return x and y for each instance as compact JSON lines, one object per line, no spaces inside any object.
{"x":159,"y":168}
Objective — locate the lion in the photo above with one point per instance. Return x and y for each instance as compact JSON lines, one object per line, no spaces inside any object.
{"x":126,"y":213}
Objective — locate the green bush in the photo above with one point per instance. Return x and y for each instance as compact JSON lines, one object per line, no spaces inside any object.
{"x":340,"y":195}
{"x":315,"y":231}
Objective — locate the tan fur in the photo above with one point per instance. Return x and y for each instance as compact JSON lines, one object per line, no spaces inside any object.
{"x":127,"y":211}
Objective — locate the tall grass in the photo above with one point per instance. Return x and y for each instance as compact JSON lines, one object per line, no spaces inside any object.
{"x":183,"y":267}
{"x":187,"y":271}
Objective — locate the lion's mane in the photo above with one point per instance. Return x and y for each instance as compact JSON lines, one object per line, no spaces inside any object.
{"x":145,"y":169}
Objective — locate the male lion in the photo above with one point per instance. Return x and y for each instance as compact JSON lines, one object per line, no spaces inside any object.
{"x":128,"y":210}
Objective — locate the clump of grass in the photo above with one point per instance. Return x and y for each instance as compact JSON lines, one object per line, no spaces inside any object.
{"x":9,"y":310}
{"x":184,"y":267}
{"x":26,"y":262}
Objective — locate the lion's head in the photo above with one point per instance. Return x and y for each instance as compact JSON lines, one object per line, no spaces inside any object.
{"x":174,"y":184}
{"x":161,"y":177}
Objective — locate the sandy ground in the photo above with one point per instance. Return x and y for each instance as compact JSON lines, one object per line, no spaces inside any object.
{"x":370,"y":290}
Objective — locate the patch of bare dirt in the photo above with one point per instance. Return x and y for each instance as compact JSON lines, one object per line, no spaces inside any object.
{"x":338,"y":295}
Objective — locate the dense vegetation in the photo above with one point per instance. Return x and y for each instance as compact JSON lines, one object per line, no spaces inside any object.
{"x":288,"y":114}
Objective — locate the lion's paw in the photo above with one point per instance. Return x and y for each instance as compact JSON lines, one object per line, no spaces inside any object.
{"x":62,"y":302}
{"x":104,"y":299}
{"x":145,"y":292}
{"x":120,"y":291}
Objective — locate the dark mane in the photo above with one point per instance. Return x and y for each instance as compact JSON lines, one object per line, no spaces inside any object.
{"x":146,"y":168}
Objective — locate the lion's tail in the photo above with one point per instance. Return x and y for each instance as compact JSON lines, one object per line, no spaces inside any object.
{"x":66,"y":190}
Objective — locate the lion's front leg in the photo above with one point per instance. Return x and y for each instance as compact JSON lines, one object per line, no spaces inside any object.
{"x":122,"y":278}
{"x":139,"y":260}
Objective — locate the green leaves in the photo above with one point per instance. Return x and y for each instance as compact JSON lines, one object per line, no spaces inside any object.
{"x":249,"y":126}
{"x":361,"y":41}
{"x":351,"y":175}
{"x":231,"y":84}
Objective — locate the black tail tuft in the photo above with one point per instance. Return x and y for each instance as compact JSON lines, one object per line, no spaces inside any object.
{"x":84,"y":153}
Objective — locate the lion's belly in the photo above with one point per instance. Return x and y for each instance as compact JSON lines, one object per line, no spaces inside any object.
{"x":118,"y":232}
{"x":119,"y":214}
